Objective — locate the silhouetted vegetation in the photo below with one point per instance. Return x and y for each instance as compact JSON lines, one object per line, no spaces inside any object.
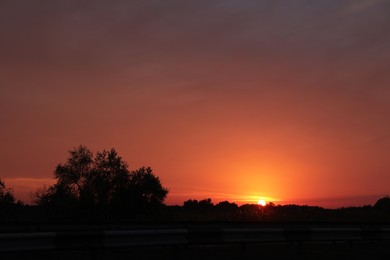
{"x":205,"y":210}
{"x":9,"y":207}
{"x":383,"y":204}
{"x":6,"y":195}
{"x":100,"y":187}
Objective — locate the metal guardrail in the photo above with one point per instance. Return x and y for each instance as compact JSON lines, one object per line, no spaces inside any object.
{"x":308,"y":234}
{"x":37,"y":241}
{"x":125,"y":238}
{"x":44,"y":241}
{"x":10,"y":242}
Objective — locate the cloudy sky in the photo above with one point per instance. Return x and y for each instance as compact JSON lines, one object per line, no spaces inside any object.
{"x":232,"y":100}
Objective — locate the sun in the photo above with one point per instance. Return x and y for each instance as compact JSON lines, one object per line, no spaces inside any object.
{"x":262,"y":202}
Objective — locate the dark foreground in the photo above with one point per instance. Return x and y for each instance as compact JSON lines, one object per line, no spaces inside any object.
{"x":196,"y":241}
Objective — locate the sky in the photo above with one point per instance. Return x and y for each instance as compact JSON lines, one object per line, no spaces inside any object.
{"x":288,"y":101}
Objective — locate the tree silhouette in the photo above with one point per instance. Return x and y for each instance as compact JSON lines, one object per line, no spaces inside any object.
{"x":100,"y":183}
{"x":107,"y":179}
{"x":146,"y":187}
{"x":142,"y":193}
{"x":6,"y":195}
{"x":227,"y":206}
{"x":7,"y":202}
{"x":202,"y":205}
{"x":383,"y":203}
{"x":73,"y":178}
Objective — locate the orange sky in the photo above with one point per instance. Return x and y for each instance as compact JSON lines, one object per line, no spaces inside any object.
{"x":232,"y":100}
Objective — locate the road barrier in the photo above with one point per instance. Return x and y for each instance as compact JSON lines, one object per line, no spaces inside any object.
{"x":184,"y":243}
{"x":73,"y":240}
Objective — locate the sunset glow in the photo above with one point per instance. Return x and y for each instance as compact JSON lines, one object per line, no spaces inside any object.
{"x":262,"y":202}
{"x":229,"y":100}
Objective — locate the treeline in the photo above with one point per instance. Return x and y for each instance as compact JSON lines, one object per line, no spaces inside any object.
{"x":205,"y":210}
{"x":199,"y":211}
{"x":100,"y":187}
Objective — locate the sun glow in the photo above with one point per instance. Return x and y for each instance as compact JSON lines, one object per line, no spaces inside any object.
{"x":262,"y":202}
